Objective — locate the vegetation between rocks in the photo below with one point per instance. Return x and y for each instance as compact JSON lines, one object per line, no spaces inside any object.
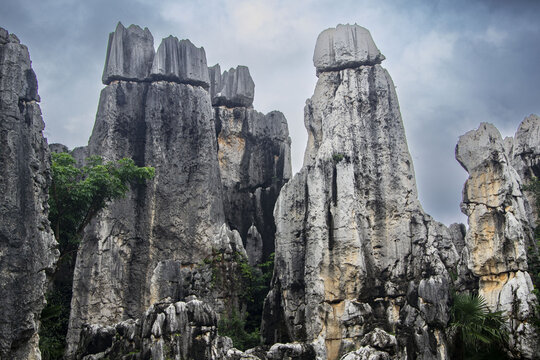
{"x":76,"y":196}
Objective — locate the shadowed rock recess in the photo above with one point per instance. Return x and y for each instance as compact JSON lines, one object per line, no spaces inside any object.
{"x":361,"y":271}
{"x":27,"y":245}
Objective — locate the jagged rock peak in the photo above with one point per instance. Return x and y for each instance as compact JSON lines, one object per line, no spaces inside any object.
{"x":180,"y":61}
{"x":233,"y":88}
{"x":129,"y":54}
{"x":345,"y":46}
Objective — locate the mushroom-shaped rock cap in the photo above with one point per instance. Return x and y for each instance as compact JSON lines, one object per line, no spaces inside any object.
{"x":233,"y":88}
{"x":477,"y":147}
{"x":180,"y":61}
{"x":129,"y":54}
{"x":346,"y":46}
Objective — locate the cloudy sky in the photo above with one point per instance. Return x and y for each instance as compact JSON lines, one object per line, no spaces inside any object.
{"x":454,"y":63}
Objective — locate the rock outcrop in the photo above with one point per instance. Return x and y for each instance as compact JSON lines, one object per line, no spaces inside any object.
{"x":233,"y":88}
{"x":181,"y":330}
{"x":180,"y":61}
{"x":499,"y":228}
{"x":170,"y":239}
{"x":354,"y":249}
{"x":254,"y":159}
{"x":130,"y":254}
{"x":27,"y":246}
{"x":130,"y":53}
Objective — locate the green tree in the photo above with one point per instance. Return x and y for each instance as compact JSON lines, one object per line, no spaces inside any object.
{"x":478,"y":333}
{"x":76,"y":196}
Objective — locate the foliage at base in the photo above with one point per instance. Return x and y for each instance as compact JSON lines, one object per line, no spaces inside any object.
{"x":478,"y":333}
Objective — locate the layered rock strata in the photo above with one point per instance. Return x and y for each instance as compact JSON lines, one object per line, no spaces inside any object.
{"x":254,"y":159}
{"x":141,"y":249}
{"x":354,"y":249}
{"x":27,"y":246}
{"x":499,"y":229}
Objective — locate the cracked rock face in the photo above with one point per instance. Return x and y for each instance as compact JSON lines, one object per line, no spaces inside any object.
{"x":354,"y":249}
{"x":345,"y":46}
{"x":27,"y":246}
{"x":499,"y":230}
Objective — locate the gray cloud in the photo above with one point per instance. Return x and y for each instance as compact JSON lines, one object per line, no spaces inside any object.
{"x":455,"y":64}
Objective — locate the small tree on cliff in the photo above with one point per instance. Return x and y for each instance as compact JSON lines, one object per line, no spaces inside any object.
{"x":76,"y":196}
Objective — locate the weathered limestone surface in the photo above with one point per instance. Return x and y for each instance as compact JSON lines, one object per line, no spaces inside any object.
{"x":180,"y":61}
{"x":499,"y":228}
{"x":181,"y":330}
{"x":232,"y":88}
{"x":345,"y":46}
{"x":523,"y":151}
{"x":27,"y":245}
{"x":148,"y":247}
{"x":130,"y":53}
{"x":354,"y":249}
{"x":255,"y":161}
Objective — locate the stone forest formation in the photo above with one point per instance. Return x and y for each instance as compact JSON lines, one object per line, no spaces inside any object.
{"x":339,"y":261}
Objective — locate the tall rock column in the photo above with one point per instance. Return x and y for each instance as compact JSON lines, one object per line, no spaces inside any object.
{"x":27,"y":246}
{"x":141,"y":249}
{"x":354,"y":249}
{"x":499,"y":232}
{"x":254,"y":159}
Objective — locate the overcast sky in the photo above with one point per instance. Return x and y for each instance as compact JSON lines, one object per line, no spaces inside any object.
{"x":454,"y":63}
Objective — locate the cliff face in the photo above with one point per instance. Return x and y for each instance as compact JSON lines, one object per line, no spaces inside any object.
{"x":500,"y":231}
{"x":354,"y":249}
{"x":254,"y":159}
{"x":27,"y":245}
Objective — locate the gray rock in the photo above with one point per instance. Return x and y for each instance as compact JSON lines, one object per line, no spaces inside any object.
{"x":525,"y":158}
{"x":80,"y":153}
{"x":176,"y":216}
{"x":254,"y":246}
{"x":345,"y":46}
{"x":178,"y":331}
{"x":499,"y":226}
{"x":233,"y":88}
{"x":255,"y":161}
{"x":354,"y":249}
{"x":58,"y":148}
{"x":130,"y":53}
{"x":27,"y":245}
{"x":180,"y":61}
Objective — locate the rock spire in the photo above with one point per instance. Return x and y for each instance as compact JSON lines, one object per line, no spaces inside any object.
{"x":354,"y":249}
{"x":27,"y":246}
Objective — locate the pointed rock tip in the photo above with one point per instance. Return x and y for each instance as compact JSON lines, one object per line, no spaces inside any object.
{"x":345,"y":46}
